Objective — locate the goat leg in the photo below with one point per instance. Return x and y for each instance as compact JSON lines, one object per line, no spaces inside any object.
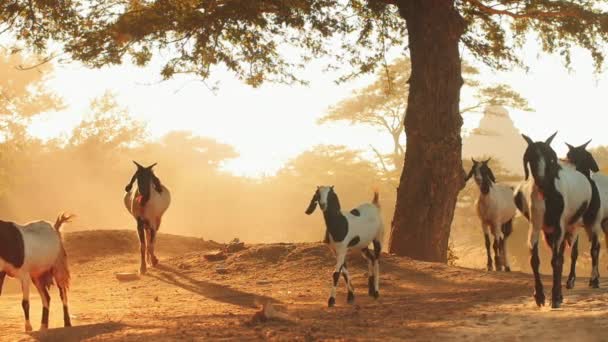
{"x":2,"y":275}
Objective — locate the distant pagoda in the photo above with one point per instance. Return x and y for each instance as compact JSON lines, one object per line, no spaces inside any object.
{"x":497,"y":136}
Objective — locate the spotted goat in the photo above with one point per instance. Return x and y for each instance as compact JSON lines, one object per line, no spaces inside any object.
{"x":35,"y":251}
{"x":556,"y":200}
{"x":495,"y":209}
{"x":147,"y":203}
{"x":356,"y":229}
{"x":584,"y":162}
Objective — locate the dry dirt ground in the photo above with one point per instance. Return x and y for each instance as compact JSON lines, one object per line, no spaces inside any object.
{"x":187,"y":299}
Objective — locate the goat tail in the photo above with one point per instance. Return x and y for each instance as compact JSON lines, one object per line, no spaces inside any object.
{"x":375,"y":200}
{"x":61,"y":219}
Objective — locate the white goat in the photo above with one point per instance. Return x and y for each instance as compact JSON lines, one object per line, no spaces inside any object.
{"x":556,"y":200}
{"x":496,"y":209}
{"x":351,"y":230}
{"x":147,"y":203}
{"x":35,"y":250}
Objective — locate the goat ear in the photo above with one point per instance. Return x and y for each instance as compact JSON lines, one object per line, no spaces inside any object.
{"x":528,"y":140}
{"x":550,"y":139}
{"x":594,"y":166}
{"x":526,"y":171}
{"x":491,"y":174}
{"x":331,"y":187}
{"x":473,"y":160}
{"x":151,"y":166}
{"x":312,"y":206}
{"x":138,"y":165}
{"x":468,"y":176}
{"x":486,"y":161}
{"x":584,"y":146}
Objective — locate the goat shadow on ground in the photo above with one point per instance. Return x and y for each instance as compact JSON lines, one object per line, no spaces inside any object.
{"x":217,"y":292}
{"x":77,"y":332}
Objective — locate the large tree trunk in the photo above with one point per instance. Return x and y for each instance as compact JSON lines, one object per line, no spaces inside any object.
{"x":432,"y":173}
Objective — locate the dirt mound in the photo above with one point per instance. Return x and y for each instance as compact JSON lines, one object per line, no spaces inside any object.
{"x":100,"y":243}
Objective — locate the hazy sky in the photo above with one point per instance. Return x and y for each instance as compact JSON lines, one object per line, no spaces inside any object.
{"x":271,"y":124}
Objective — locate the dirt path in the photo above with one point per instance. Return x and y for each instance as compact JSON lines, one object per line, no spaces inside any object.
{"x":186,"y":299}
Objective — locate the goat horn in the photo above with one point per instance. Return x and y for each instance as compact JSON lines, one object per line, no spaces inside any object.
{"x":585,"y":144}
{"x":151,"y":166}
{"x":136,"y":163}
{"x":527,"y":138}
{"x":550,"y":139}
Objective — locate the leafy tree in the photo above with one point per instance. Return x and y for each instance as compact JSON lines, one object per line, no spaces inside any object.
{"x":108,"y":126}
{"x":251,"y":39}
{"x":382,"y":104}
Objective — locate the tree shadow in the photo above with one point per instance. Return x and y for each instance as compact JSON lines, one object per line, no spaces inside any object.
{"x":217,"y":292}
{"x":77,"y":333}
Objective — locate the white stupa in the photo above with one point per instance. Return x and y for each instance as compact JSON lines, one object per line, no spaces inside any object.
{"x":498,"y":137}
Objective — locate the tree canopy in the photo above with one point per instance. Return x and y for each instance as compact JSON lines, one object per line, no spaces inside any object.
{"x":251,"y":38}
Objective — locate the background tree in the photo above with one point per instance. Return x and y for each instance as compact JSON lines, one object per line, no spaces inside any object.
{"x":250,"y":38}
{"x":382,"y":105}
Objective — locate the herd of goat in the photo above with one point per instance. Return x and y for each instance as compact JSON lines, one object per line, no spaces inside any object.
{"x":561,"y":195}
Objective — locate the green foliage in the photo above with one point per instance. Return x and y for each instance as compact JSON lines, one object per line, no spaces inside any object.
{"x":251,"y":38}
{"x":497,"y":30}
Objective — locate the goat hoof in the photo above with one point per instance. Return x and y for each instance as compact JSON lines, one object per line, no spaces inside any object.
{"x":594,"y":283}
{"x":376,"y":294}
{"x":570,"y":283}
{"x":154,"y":262}
{"x":350,"y":298}
{"x":44,"y":327}
{"x":507,"y":269}
{"x":556,"y":303}
{"x":331,"y":302}
{"x":28,"y":327}
{"x":490,"y":268}
{"x":540,"y":299}
{"x":142,"y":270}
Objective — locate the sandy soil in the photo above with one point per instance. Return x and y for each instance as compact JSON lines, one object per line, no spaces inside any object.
{"x":187,"y":299}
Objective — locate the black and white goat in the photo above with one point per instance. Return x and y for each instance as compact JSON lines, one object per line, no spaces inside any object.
{"x":35,"y":250}
{"x":496,"y":209}
{"x":147,"y":203}
{"x":557,"y":199}
{"x":351,"y":230}
{"x":585,"y":163}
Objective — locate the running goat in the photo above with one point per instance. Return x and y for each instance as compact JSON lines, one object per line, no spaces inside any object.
{"x":351,"y":230}
{"x":556,"y":200}
{"x":147,"y":203}
{"x":496,"y":209}
{"x":35,"y":250}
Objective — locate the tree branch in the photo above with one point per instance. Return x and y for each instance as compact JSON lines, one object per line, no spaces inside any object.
{"x":380,"y":157}
{"x":529,"y":15}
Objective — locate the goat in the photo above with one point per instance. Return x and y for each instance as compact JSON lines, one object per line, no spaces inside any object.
{"x":585,"y":163}
{"x":556,"y":200}
{"x":496,"y":209}
{"x":351,"y":230}
{"x":147,"y":203}
{"x":35,"y":250}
